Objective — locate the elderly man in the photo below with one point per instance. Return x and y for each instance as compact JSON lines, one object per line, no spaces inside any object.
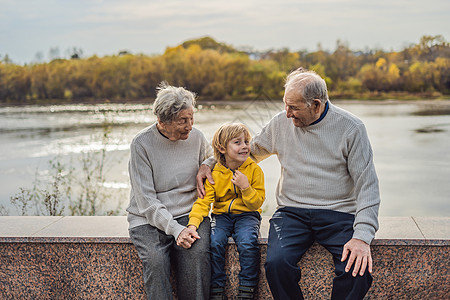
{"x":328,"y":190}
{"x":164,"y":160}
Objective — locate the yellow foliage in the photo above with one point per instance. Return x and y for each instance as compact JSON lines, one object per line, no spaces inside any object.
{"x":218,"y":71}
{"x":381,"y":63}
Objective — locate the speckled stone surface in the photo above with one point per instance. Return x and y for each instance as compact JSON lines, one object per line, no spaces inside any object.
{"x":93,"y":258}
{"x":70,"y":271}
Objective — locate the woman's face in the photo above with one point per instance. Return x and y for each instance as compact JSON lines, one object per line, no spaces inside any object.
{"x":180,"y":127}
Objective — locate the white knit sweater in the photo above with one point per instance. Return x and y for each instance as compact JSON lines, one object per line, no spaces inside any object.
{"x":162,"y":175}
{"x":327,"y":165}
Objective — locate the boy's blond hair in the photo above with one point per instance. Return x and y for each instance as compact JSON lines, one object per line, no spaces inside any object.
{"x":224,"y":135}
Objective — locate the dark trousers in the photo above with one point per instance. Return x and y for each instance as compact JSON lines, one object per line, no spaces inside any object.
{"x":158,"y":251}
{"x":292,"y":232}
{"x":244,"y":228}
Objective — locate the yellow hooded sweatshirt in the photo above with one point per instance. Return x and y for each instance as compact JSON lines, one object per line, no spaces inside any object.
{"x":228,"y":198}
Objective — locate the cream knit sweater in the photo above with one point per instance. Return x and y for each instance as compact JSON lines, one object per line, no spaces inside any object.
{"x":327,"y":165}
{"x":162,"y":175}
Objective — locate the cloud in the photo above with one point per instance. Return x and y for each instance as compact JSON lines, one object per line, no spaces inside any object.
{"x":106,"y":26}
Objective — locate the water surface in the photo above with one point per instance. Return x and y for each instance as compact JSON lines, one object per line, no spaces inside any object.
{"x":411,"y":143}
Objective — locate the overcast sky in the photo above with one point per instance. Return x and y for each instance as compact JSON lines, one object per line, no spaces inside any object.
{"x":105,"y":27}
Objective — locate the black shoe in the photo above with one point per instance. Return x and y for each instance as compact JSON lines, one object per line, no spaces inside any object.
{"x":246,"y":292}
{"x":217,"y":293}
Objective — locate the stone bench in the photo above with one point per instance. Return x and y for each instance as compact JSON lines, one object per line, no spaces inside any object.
{"x":93,"y":258}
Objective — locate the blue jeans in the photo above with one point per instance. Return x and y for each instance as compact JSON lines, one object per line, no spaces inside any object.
{"x":244,"y":228}
{"x":292,"y":232}
{"x":159,"y":252}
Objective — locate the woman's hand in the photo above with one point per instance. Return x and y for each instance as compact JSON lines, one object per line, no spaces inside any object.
{"x":240,"y":180}
{"x":187,"y":237}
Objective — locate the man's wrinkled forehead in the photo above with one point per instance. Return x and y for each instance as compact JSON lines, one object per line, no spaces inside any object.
{"x":293,"y":93}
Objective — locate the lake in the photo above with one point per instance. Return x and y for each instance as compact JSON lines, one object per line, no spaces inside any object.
{"x":410,"y":140}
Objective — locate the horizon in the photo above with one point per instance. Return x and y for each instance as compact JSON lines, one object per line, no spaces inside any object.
{"x":249,"y":51}
{"x":34,"y":32}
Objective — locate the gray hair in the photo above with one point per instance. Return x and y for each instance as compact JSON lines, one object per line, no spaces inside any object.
{"x":170,"y":101}
{"x":309,"y":84}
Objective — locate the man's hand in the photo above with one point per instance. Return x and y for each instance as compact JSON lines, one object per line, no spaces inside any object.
{"x":240,"y":180}
{"x":187,"y":237}
{"x":203,"y":172}
{"x":359,"y":254}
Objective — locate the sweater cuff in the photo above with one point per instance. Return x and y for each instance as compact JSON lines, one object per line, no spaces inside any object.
{"x":364,"y":232}
{"x":210,"y":162}
{"x":176,"y":229}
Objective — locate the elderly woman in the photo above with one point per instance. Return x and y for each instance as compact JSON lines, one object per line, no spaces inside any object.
{"x":164,"y":161}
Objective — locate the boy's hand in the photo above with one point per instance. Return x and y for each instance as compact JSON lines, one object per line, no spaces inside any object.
{"x":187,"y":237}
{"x":240,"y":180}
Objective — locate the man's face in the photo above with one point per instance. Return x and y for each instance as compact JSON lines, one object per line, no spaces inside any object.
{"x":296,"y":108}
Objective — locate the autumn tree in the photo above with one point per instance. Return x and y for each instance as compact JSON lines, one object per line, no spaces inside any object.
{"x":218,"y":71}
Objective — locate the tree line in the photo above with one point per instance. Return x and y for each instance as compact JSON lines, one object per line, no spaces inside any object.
{"x":217,"y":71}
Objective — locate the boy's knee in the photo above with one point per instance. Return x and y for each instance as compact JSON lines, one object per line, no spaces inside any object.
{"x":248,"y":246}
{"x":218,"y":245}
{"x":218,"y":240}
{"x":247,"y":238}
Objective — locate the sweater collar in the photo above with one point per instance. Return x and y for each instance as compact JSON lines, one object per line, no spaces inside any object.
{"x":157,"y":129}
{"x":162,"y":137}
{"x":322,"y":115}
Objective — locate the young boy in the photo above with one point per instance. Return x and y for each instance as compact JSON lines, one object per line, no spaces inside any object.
{"x":236,"y":197}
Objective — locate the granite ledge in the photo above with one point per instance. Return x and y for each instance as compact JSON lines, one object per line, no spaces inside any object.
{"x":401,"y":231}
{"x":67,"y":240}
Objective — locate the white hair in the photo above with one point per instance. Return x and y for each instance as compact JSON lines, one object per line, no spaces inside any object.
{"x":309,"y":84}
{"x":170,"y":101}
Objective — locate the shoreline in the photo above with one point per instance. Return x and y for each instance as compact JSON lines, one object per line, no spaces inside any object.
{"x":149,"y":101}
{"x":371,"y":97}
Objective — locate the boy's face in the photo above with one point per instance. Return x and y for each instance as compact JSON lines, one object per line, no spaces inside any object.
{"x":237,"y":152}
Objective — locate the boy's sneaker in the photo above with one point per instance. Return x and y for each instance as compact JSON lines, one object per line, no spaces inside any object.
{"x":246,"y":292}
{"x":217,"y":293}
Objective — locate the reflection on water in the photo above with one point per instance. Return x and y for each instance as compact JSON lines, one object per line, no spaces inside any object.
{"x":411,"y":143}
{"x":432,"y":128}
